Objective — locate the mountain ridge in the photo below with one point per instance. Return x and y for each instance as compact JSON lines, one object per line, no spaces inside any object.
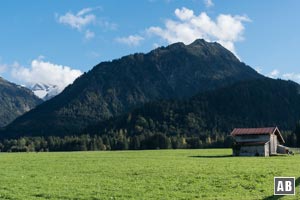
{"x":15,"y":100}
{"x":113,"y":88}
{"x":254,"y":103}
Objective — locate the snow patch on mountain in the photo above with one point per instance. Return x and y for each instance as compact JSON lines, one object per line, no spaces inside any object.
{"x":45,"y":91}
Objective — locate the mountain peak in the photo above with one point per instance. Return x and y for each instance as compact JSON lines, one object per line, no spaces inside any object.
{"x":45,"y":91}
{"x":198,"y":42}
{"x":177,"y":71}
{"x":177,"y":45}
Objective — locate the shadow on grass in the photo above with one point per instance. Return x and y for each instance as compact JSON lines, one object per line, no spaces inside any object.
{"x":220,"y":156}
{"x":297,"y":183}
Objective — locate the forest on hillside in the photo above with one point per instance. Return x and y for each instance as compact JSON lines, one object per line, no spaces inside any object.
{"x":147,"y":138}
{"x":203,"y":121}
{"x":122,"y":141}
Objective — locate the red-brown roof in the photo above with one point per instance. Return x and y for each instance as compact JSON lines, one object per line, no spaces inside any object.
{"x":257,"y":131}
{"x":253,"y":131}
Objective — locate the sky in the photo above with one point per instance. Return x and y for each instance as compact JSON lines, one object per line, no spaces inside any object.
{"x":55,"y":41}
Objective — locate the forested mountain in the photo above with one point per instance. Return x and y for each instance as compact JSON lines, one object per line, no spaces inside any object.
{"x":256,"y":103}
{"x":14,"y":101}
{"x":113,"y":88}
{"x":202,"y":121}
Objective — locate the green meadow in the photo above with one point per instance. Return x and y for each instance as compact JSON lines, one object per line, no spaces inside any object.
{"x":157,"y":174}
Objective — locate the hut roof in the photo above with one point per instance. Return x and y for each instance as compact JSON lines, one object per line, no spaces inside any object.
{"x":258,"y":131}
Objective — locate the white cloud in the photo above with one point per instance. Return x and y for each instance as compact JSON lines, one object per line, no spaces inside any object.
{"x":132,"y":40}
{"x":274,"y":74}
{"x":226,"y":29}
{"x":84,"y":11}
{"x":258,"y":69}
{"x":285,"y":76}
{"x":3,"y":68}
{"x":208,"y":3}
{"x":84,"y":20}
{"x":155,"y":45}
{"x":89,"y":34}
{"x":292,"y":76}
{"x":79,"y":20}
{"x":45,"y":72}
{"x":184,"y":14}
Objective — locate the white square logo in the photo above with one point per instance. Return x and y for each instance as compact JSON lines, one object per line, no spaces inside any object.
{"x":284,"y":185}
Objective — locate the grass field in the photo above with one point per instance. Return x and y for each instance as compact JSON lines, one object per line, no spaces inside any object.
{"x":160,"y":174}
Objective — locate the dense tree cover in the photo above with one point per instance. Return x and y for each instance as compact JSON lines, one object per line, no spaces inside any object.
{"x":202,"y":121}
{"x":259,"y":103}
{"x":122,"y":141}
{"x":113,"y":88}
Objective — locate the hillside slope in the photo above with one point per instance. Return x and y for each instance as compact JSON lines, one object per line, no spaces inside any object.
{"x":257,"y":103}
{"x":113,"y":88}
{"x":14,"y":101}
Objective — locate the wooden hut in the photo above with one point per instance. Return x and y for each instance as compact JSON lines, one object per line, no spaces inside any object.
{"x":257,"y":141}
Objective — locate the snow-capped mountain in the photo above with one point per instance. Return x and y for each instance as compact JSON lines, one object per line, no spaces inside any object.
{"x":45,"y":91}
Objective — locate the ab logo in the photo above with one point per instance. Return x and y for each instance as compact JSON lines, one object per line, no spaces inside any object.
{"x":284,"y":185}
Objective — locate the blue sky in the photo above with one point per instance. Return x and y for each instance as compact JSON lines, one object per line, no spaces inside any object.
{"x":55,"y":41}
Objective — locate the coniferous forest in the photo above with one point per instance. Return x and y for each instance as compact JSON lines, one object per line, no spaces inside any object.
{"x":203,"y":121}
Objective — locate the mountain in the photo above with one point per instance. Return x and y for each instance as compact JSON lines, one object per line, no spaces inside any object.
{"x":14,"y":101}
{"x":256,"y":103}
{"x":45,"y":91}
{"x":202,"y":121}
{"x":113,"y":88}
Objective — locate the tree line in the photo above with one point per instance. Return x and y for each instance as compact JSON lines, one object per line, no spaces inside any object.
{"x":121,"y":140}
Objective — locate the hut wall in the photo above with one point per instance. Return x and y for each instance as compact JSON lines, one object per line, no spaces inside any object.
{"x":273,"y":144}
{"x":252,"y":138}
{"x":267,"y":149}
{"x":255,"y":150}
